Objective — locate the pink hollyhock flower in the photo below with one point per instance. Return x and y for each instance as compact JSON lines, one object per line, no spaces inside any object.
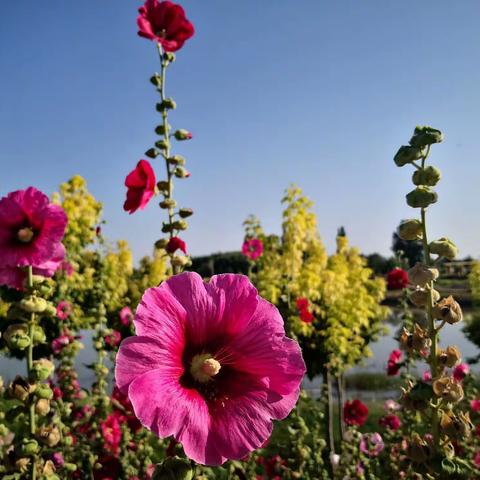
{"x":475,"y":405}
{"x":476,"y":459}
{"x":140,"y":183}
{"x":391,"y":406}
{"x":460,"y":372}
{"x":112,"y":433}
{"x":176,"y":243}
{"x":211,"y":366}
{"x":427,"y":376}
{"x":252,"y":248}
{"x":64,"y":309}
{"x":390,"y":421}
{"x":57,"y":459}
{"x":355,"y":412}
{"x":59,"y":343}
{"x":113,"y":339}
{"x":67,"y":267}
{"x":394,"y":362}
{"x":126,"y":316}
{"x":31,"y":229}
{"x":371,"y":444}
{"x":397,"y":279}
{"x":164,"y":22}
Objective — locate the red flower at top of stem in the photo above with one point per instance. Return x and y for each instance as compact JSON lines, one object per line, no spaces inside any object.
{"x":166,"y":23}
{"x":394,"y":362}
{"x":397,"y":279}
{"x":176,"y":243}
{"x":140,"y":183}
{"x":355,"y":412}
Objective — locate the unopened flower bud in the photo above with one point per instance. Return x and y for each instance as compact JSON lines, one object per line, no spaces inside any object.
{"x":42,"y":407}
{"x":167,"y":228}
{"x":156,"y":80}
{"x":173,"y":468}
{"x":38,"y":335}
{"x":420,"y":297}
{"x":168,"y":203}
{"x":161,"y":244}
{"x":448,"y":310}
{"x":182,"y":134}
{"x":407,"y":154}
{"x":410,"y":230}
{"x":181,"y":172}
{"x":33,"y":304}
{"x":49,"y":435}
{"x":421,"y":197}
{"x":444,"y":247}
{"x":161,"y":130}
{"x":179,"y":261}
{"x":16,"y":336}
{"x":29,"y":446}
{"x":152,"y":153}
{"x":162,"y":185}
{"x":428,"y":176}
{"x":450,"y":357}
{"x":176,"y":160}
{"x":42,"y":369}
{"x":180,"y":225}
{"x":185,"y":212}
{"x":167,"y":104}
{"x":43,"y":391}
{"x":161,"y":144}
{"x":449,"y":390}
{"x":169,"y":57}
{"x":69,"y":467}
{"x":423,"y":136}
{"x":420,"y":274}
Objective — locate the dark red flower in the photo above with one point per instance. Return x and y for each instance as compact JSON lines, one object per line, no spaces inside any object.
{"x":302,"y":303}
{"x":355,"y":412}
{"x":110,"y":468}
{"x":141,"y":187}
{"x":164,"y":22}
{"x":390,"y":421}
{"x":306,"y":316}
{"x":397,"y":279}
{"x":394,"y":362}
{"x":174,"y":244}
{"x":113,"y":339}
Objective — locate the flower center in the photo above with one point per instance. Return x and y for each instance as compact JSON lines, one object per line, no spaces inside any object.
{"x":162,"y":33}
{"x":25,"y":235}
{"x":204,"y":367}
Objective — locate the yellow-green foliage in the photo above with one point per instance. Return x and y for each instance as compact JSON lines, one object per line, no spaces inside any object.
{"x":474,"y":279}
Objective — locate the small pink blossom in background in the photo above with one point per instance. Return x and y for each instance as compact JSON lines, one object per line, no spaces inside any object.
{"x":67,"y":268}
{"x":126,"y":316}
{"x":476,"y":459}
{"x":397,"y":279}
{"x":394,"y":362}
{"x":140,"y":184}
{"x":359,"y":469}
{"x":304,"y":313}
{"x":210,"y":365}
{"x":113,"y":339}
{"x":371,"y":444}
{"x":355,"y":412}
{"x":460,"y":372}
{"x":252,"y":248}
{"x":176,"y":243}
{"x":390,"y":421}
{"x":427,"y":376}
{"x":59,"y":343}
{"x":64,"y":309}
{"x":475,"y":405}
{"x":164,"y":22}
{"x":57,"y":459}
{"x":112,"y":433}
{"x":391,"y":406}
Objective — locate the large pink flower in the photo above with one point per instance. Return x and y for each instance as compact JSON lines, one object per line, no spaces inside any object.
{"x":210,"y":365}
{"x":31,"y":229}
{"x":140,"y":183}
{"x":164,"y":22}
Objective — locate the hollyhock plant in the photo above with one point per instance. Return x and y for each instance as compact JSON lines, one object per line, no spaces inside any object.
{"x":391,"y":406}
{"x":460,"y":372}
{"x":252,"y":248}
{"x":140,"y":183}
{"x":394,"y":362}
{"x":126,"y":316}
{"x":64,"y":309}
{"x":397,"y":279}
{"x":475,"y":405}
{"x":210,"y":365}
{"x":166,"y":23}
{"x":113,"y":338}
{"x":355,"y":412}
{"x":371,"y":444}
{"x":302,"y":303}
{"x":306,"y":316}
{"x":427,"y":376}
{"x":390,"y":421}
{"x":174,"y":244}
{"x":59,"y":343}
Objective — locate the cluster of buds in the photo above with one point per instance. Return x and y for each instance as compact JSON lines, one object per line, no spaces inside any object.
{"x":439,"y":398}
{"x":175,"y":168}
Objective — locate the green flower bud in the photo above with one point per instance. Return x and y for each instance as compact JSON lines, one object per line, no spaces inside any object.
{"x":407,"y":154}
{"x":156,"y":80}
{"x":168,"y":203}
{"x":42,"y":369}
{"x":51,"y":310}
{"x":176,"y":160}
{"x":181,"y":172}
{"x":421,"y":197}
{"x":173,"y":468}
{"x":167,"y":104}
{"x":182,"y":134}
{"x":410,"y":229}
{"x":423,"y":136}
{"x":161,"y":130}
{"x":185,"y":212}
{"x":444,"y":247}
{"x":169,"y":57}
{"x":69,"y":467}
{"x":44,"y":391}
{"x":68,"y":440}
{"x":38,"y":335}
{"x":161,"y":244}
{"x":16,"y":336}
{"x":33,"y":304}
{"x":29,"y":446}
{"x":180,"y":225}
{"x":152,"y":153}
{"x":429,"y":176}
{"x":179,"y":261}
{"x":167,"y":228}
{"x":161,"y":144}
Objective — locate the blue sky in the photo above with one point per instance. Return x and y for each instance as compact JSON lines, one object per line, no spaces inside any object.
{"x":315,"y":92}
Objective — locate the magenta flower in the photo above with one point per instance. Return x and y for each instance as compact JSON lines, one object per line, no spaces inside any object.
{"x":113,"y":339}
{"x":391,"y":406}
{"x":252,"y":248}
{"x":371,"y":444}
{"x":460,"y":372}
{"x":64,"y":309}
{"x":427,"y":376}
{"x":126,"y":316}
{"x":31,"y":229}
{"x":211,"y":366}
{"x":390,"y":421}
{"x":67,"y":268}
{"x":394,"y":362}
{"x":59,"y":343}
{"x":475,"y":405}
{"x":140,"y":184}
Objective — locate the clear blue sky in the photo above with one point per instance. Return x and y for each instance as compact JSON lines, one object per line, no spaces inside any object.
{"x":316,"y":92}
